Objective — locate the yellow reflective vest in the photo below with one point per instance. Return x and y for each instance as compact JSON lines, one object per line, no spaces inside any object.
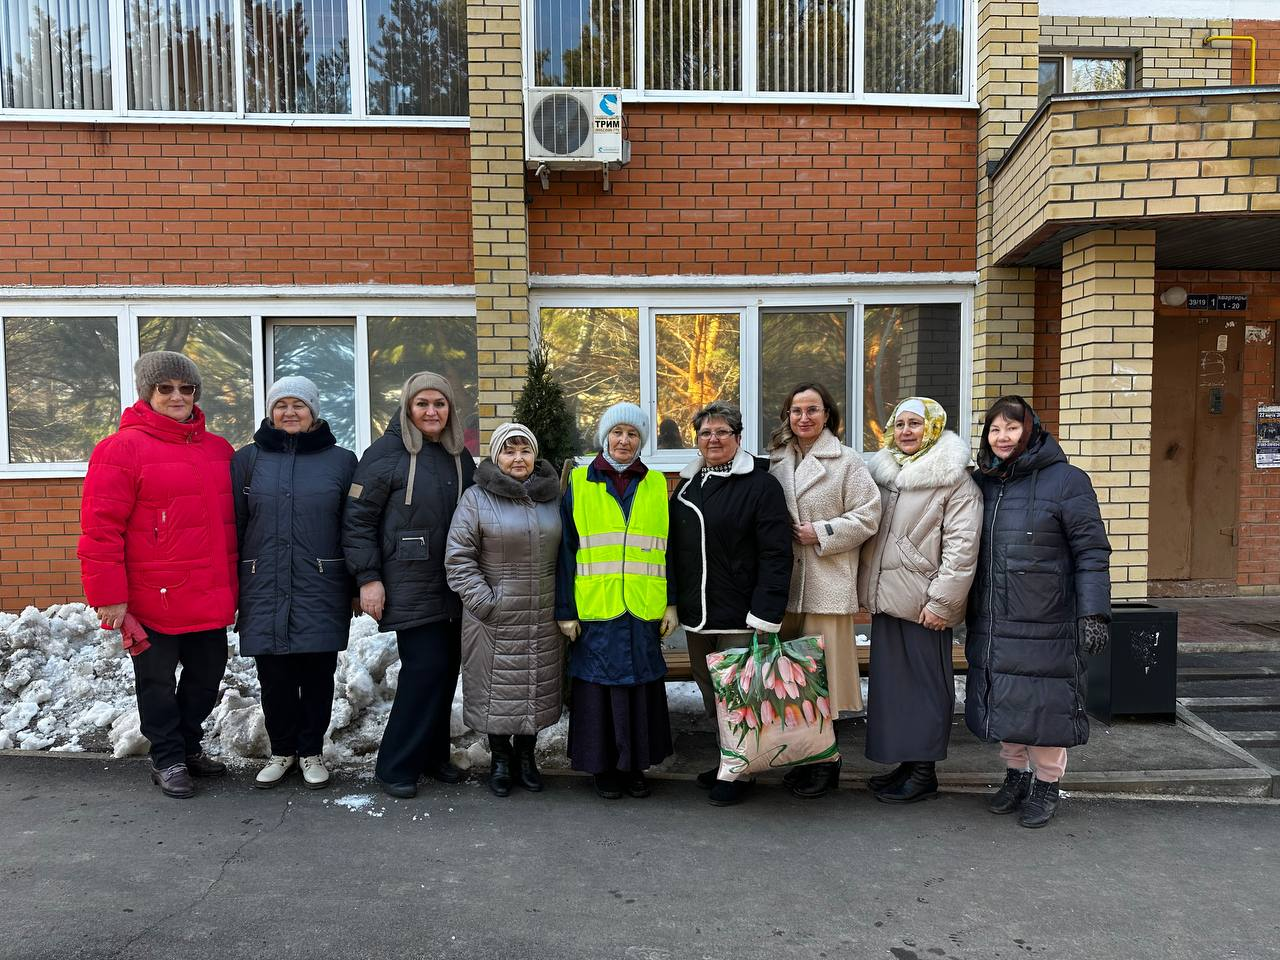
{"x":621,"y":561}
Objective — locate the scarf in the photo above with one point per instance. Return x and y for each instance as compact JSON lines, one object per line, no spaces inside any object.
{"x":618,"y":474}
{"x":935,"y":421}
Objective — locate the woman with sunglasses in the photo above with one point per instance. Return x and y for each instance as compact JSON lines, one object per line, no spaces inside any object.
{"x":158,"y":560}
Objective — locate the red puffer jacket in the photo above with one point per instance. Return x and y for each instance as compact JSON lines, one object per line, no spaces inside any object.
{"x":159,"y":523}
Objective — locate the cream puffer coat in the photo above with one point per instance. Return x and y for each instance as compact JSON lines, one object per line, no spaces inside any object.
{"x":926,"y":551}
{"x":501,"y":560}
{"x":831,"y":489}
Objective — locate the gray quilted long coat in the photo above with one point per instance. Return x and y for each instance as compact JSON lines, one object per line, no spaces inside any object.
{"x":501,"y":560}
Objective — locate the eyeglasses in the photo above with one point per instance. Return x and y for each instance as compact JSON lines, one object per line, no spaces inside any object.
{"x":715,"y":434}
{"x":187,"y":389}
{"x":801,"y":411}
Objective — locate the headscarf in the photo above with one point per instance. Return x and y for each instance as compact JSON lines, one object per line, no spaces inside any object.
{"x":452,"y":438}
{"x":935,"y":421}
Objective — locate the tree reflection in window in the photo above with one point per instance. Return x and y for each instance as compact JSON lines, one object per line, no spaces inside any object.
{"x":914,"y":46}
{"x":402,"y":346}
{"x":595,"y":355}
{"x":417,"y":57}
{"x":909,"y":350}
{"x":801,"y":347}
{"x":222,"y":349}
{"x":583,"y":43}
{"x":296,"y":57}
{"x":325,"y":353}
{"x":62,"y":377}
{"x":697,"y":362}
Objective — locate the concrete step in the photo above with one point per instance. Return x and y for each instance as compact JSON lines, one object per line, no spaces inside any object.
{"x":1253,"y":738}
{"x":1230,"y":703}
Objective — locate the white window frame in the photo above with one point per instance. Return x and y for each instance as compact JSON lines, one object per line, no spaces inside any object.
{"x":450,"y":302}
{"x":640,"y":94}
{"x":749,"y":301}
{"x":120,"y":112}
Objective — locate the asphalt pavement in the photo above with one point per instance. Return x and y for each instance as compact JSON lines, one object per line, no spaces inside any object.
{"x":95,"y":863}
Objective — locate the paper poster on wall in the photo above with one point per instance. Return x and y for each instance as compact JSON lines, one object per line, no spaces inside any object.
{"x":1267,"y":447}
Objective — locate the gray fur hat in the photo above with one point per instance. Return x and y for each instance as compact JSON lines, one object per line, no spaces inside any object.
{"x":299,"y":387}
{"x":161,"y":366}
{"x":452,"y":437}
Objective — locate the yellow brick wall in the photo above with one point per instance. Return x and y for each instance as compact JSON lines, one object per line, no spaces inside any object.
{"x":1008,"y":58}
{"x":1168,"y":52}
{"x":500,"y":228}
{"x":1108,"y":296}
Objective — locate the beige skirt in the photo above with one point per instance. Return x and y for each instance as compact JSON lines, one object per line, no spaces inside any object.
{"x":843,"y":684}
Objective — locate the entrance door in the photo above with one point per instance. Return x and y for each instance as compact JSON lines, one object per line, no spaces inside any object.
{"x":1195,"y":451}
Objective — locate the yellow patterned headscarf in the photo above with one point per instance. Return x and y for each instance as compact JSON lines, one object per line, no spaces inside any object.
{"x":935,"y":421}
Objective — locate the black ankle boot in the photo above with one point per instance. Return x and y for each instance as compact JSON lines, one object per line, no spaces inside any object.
{"x":500,"y":768}
{"x":1012,"y":793}
{"x":1041,"y":805}
{"x":823,"y":778}
{"x":921,"y":784}
{"x":887,"y":781}
{"x":530,"y":778}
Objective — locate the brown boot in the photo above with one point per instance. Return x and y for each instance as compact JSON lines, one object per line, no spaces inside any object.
{"x":174,"y":781}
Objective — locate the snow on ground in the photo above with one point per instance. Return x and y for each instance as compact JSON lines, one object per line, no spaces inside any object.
{"x":66,"y":684}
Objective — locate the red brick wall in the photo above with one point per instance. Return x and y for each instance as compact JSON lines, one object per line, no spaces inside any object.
{"x":732,"y":189}
{"x":39,"y":525}
{"x":1258,"y":553}
{"x":1047,"y":370}
{"x":148,"y":205}
{"x":1267,"y":33}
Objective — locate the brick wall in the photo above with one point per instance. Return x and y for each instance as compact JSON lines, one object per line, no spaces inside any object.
{"x":1258,"y":553}
{"x":1168,"y":51}
{"x":1267,"y":33}
{"x":39,"y":526}
{"x":716,"y":189}
{"x":147,"y":205}
{"x":1048,"y":347}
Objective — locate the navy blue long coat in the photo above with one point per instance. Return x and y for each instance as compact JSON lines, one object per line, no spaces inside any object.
{"x":295,"y":592}
{"x":1044,"y":562}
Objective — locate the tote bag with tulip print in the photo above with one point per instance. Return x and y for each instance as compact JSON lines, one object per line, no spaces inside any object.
{"x":772,"y":706}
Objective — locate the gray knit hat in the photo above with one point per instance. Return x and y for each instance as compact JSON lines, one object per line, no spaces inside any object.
{"x":161,"y":366}
{"x":628,"y":413}
{"x":507,"y":431}
{"x":452,"y":437}
{"x":299,"y":387}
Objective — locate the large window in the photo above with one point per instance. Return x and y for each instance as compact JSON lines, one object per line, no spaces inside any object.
{"x":221,"y":59}
{"x":838,"y":49}
{"x":65,"y":374}
{"x":869,"y":351}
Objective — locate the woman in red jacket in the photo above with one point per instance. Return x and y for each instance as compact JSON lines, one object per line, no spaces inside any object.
{"x":158,"y":560}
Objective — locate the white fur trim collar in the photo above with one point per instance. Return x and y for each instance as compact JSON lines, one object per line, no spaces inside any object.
{"x":942,"y":466}
{"x":743,"y":463}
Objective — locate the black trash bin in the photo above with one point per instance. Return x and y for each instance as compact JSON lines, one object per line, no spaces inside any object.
{"x":1137,"y":675}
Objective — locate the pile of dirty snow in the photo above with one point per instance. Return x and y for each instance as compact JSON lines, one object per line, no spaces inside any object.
{"x":67,"y":685}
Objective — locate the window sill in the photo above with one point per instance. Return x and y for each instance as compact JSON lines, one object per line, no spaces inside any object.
{"x":99,"y":117}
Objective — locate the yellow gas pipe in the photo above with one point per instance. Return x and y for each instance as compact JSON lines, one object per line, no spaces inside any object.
{"x":1253,"y":49}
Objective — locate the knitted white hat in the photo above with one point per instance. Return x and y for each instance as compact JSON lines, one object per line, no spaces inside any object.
{"x":504,"y":432}
{"x":628,"y":413}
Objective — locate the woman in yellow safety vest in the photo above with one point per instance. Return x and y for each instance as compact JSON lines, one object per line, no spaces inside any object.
{"x":614,"y":605}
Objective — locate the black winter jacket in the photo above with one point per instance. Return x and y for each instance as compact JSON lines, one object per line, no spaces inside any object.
{"x":1043,"y":563}
{"x":729,"y":549}
{"x":402,"y":544}
{"x":295,"y":594}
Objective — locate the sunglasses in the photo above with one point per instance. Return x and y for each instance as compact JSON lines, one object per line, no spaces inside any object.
{"x":187,"y":389}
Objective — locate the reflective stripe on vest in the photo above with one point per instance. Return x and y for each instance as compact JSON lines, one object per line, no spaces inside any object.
{"x":621,"y":562}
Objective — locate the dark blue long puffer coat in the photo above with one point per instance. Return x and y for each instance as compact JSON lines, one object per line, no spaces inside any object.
{"x":1043,"y":563}
{"x":295,"y":592}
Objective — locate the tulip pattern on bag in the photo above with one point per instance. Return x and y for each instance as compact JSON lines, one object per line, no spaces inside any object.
{"x":772,"y":706}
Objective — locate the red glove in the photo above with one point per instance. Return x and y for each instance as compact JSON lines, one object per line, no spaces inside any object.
{"x":132,"y":635}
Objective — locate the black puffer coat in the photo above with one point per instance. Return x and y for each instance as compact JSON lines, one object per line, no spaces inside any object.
{"x":295,"y":594}
{"x":402,"y":544}
{"x":1043,"y":563}
{"x":729,"y":549}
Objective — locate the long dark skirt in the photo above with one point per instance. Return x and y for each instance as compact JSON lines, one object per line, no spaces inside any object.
{"x":618,"y":728}
{"x":911,"y":693}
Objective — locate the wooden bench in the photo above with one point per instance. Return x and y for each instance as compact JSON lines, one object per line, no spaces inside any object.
{"x":678,"y":662}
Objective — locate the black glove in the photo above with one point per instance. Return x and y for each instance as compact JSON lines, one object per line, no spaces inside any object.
{"x":1093,"y":634}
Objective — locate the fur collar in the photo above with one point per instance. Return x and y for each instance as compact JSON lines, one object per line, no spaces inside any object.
{"x":544,"y":486}
{"x":743,"y":463}
{"x":943,"y":466}
{"x":827,"y":445}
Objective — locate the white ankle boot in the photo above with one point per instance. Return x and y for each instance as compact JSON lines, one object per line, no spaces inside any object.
{"x":274,"y":771}
{"x":314,"y":773}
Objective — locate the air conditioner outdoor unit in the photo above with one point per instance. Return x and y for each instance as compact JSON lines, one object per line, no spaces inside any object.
{"x":574,"y":126}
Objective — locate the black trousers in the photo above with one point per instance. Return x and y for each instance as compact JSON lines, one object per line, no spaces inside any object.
{"x":417,"y":735}
{"x":172,"y":714}
{"x":297,"y":700}
{"x":500,"y":744}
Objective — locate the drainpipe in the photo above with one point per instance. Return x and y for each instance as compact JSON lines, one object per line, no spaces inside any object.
{"x":1253,"y":49}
